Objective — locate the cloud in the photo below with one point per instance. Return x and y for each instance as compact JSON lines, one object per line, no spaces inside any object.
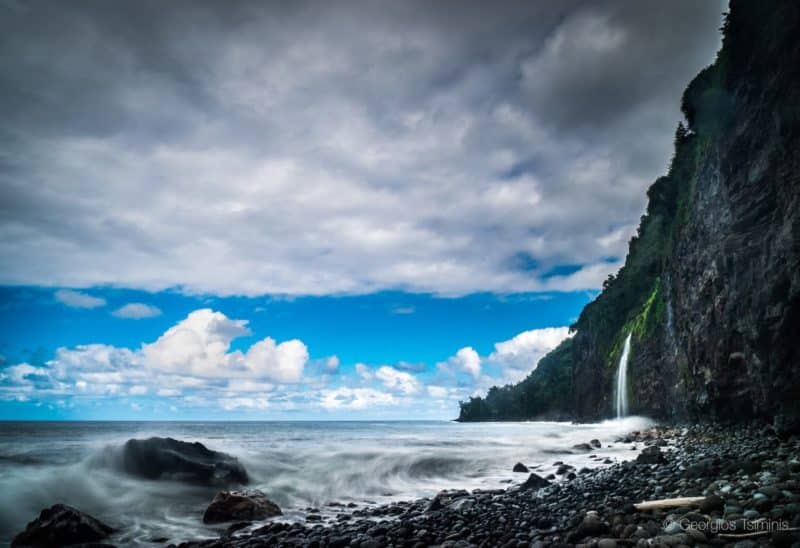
{"x":437,"y":391}
{"x":348,"y":148}
{"x":467,"y":359}
{"x":194,"y":355}
{"x":400,"y":381}
{"x":230,"y":404}
{"x":510,"y":361}
{"x":200,"y":345}
{"x":364,"y":372}
{"x":136,"y":311}
{"x":78,"y":299}
{"x":520,"y":355}
{"x":354,"y":398}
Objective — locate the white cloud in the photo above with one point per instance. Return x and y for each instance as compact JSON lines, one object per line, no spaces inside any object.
{"x":354,"y":398}
{"x":78,"y":299}
{"x":364,"y":372}
{"x":136,"y":311}
{"x":510,"y":361}
{"x":400,"y":381}
{"x":437,"y":391}
{"x":468,"y":360}
{"x":193,"y":355}
{"x":282,"y":362}
{"x":230,"y":404}
{"x":523,"y":351}
{"x":200,"y":345}
{"x":332,"y":364}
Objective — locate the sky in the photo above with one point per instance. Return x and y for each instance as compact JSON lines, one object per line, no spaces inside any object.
{"x":317,"y":210}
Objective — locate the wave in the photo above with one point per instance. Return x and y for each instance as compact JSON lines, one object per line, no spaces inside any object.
{"x":310,"y":468}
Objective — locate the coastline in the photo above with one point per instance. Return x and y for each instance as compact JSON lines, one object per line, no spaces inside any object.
{"x":748,"y":478}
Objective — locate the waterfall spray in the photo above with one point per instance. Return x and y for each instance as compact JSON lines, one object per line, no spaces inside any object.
{"x":622,"y":379}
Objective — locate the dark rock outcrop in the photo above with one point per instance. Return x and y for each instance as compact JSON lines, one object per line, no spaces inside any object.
{"x":167,"y":458}
{"x":62,"y":525}
{"x":248,"y":505}
{"x":519,"y":467}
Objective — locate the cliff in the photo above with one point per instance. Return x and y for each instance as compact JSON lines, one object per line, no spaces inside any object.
{"x":710,"y":288}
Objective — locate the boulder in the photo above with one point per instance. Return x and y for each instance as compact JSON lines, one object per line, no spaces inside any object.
{"x":651,"y":455}
{"x":519,"y":467}
{"x":62,"y":525}
{"x":247,"y":505}
{"x":167,"y":458}
{"x":534,"y":481}
{"x":585,"y":447}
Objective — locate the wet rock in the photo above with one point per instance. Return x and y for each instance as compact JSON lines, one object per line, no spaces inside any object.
{"x":168,"y":458}
{"x":651,"y":455}
{"x":585,"y":447}
{"x":534,"y":481}
{"x":250,"y":504}
{"x":519,"y":467}
{"x":62,"y":525}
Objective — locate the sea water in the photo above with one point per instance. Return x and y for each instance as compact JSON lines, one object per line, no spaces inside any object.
{"x":299,"y":465}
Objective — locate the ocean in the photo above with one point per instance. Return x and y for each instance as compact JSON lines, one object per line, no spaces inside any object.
{"x":299,"y":465}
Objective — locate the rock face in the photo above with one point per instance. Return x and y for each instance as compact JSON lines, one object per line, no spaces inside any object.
{"x":61,"y":525}
{"x":724,"y":308}
{"x":167,"y":458}
{"x":246,"y":505}
{"x":710,"y":289}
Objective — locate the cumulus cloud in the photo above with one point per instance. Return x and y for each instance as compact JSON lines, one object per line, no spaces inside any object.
{"x":510,"y":361}
{"x":137,"y":311}
{"x":347,"y":148}
{"x":78,"y":299}
{"x":467,"y":359}
{"x":400,"y":381}
{"x":523,"y":351}
{"x":193,"y":355}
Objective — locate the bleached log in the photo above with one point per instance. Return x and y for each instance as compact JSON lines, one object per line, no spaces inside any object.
{"x":668,"y":503}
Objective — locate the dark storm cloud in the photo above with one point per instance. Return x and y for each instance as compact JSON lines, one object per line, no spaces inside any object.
{"x":318,"y":147}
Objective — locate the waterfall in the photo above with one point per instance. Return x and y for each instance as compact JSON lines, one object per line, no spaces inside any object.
{"x":622,"y":379}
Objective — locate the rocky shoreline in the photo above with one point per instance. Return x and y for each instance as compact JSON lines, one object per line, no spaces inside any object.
{"x":746,"y":480}
{"x":742,"y":484}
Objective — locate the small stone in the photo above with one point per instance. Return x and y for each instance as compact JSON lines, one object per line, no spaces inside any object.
{"x":606,"y":543}
{"x":519,"y":467}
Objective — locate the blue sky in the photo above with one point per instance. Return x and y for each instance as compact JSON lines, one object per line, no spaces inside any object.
{"x":318,"y":209}
{"x":411,"y":333}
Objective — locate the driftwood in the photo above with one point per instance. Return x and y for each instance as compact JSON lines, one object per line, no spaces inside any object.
{"x":757,"y":533}
{"x":669,"y":503}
